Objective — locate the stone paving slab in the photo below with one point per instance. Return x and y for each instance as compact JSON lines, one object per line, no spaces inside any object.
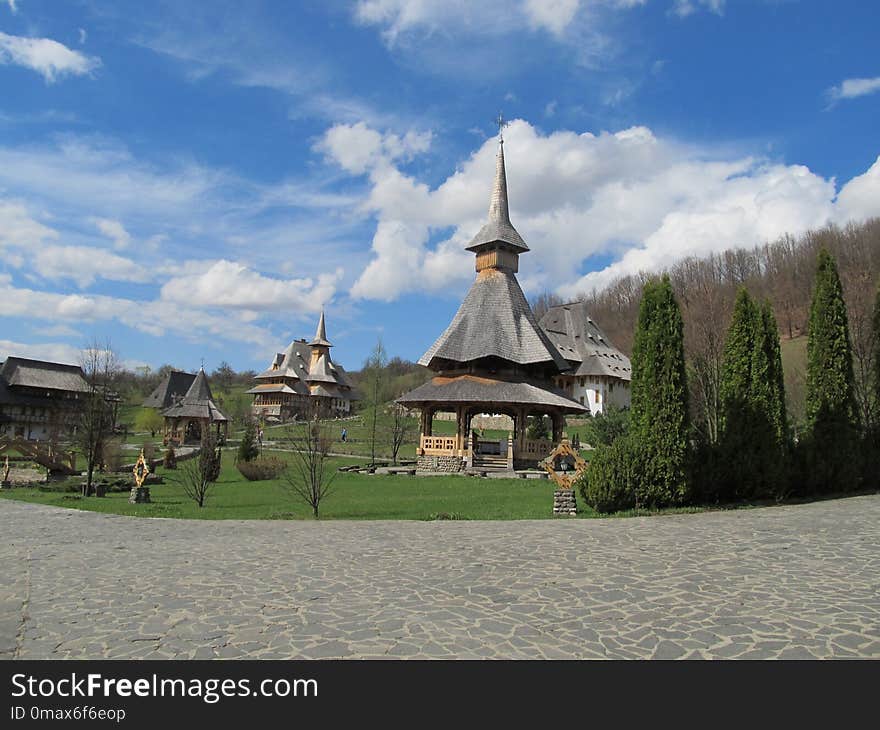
{"x":781,"y":582}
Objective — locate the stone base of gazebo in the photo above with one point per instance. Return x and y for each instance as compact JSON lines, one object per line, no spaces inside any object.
{"x":435,"y":463}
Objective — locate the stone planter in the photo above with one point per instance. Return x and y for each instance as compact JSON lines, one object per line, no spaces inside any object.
{"x":564,"y":502}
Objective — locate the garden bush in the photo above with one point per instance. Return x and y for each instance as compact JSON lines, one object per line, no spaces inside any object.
{"x":170,"y":460}
{"x":248,"y":450}
{"x":610,"y":481}
{"x":261,"y":469}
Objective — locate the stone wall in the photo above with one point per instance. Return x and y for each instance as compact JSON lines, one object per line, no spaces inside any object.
{"x":495,"y":423}
{"x":440,"y":463}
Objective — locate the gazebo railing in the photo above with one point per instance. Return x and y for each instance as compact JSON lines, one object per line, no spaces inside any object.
{"x":438,"y":445}
{"x":534,"y":449}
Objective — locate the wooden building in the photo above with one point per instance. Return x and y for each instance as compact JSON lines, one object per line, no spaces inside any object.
{"x":493,"y":358}
{"x":599,"y":373}
{"x":301,"y":380}
{"x":40,"y":401}
{"x":172,"y":389}
{"x":195,"y":414}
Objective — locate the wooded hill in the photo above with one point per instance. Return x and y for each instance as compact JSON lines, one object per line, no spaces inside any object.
{"x":781,"y":272}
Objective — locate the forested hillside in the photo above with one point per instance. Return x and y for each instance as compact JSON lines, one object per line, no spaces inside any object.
{"x":781,"y":272}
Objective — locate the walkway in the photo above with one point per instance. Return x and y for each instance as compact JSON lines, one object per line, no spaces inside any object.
{"x":791,"y":582}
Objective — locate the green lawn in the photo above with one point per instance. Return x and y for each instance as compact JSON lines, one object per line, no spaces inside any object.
{"x":355,"y":496}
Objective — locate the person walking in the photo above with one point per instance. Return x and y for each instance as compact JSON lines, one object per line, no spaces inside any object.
{"x":344,"y":435}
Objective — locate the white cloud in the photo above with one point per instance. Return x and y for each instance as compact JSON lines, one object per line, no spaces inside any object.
{"x":234,"y":286}
{"x":552,"y":15}
{"x":115,"y":231}
{"x":82,"y":35}
{"x":52,"y":351}
{"x":853,"y":88}
{"x":151,"y":317}
{"x":860,"y":197}
{"x":640,"y":200}
{"x":84,"y":264}
{"x":18,"y":229}
{"x":51,"y":59}
{"x":358,"y":148}
{"x":684,"y":8}
{"x":461,"y":37}
{"x":58,"y":330}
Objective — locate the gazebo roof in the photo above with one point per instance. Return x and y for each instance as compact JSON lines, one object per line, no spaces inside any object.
{"x":474,"y":389}
{"x":197,"y":403}
{"x":494,"y":320}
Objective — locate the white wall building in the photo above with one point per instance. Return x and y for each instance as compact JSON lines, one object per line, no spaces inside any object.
{"x":600,"y":373}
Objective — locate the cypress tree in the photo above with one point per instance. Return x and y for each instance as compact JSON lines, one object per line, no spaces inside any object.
{"x":876,"y":361}
{"x":768,"y":403}
{"x":739,"y":437}
{"x":778,"y":412}
{"x":872,"y":451}
{"x":659,"y":412}
{"x":832,"y":433}
{"x":753,"y":429}
{"x":248,"y":450}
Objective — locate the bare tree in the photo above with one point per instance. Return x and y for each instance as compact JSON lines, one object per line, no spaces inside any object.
{"x":375,"y":381}
{"x":198,"y":475}
{"x":101,"y":368}
{"x":543,"y":303}
{"x":402,"y":427}
{"x":310,"y":475}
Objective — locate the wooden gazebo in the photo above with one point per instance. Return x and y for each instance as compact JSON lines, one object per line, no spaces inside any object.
{"x":493,"y":358}
{"x":191,"y":417}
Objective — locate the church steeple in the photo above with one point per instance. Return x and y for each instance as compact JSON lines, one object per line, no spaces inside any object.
{"x":498,"y":244}
{"x":320,"y":334}
{"x":499,"y":212}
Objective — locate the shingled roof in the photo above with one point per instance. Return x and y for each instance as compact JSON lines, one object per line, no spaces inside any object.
{"x":498,"y":229}
{"x":197,"y":403}
{"x":321,"y":334}
{"x":171,"y":389}
{"x":295,"y":363}
{"x":26,"y":373}
{"x":580,"y":341}
{"x":494,"y":320}
{"x":475,"y":389}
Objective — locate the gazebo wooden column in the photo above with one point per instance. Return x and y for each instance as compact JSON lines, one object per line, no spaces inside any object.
{"x":558,"y":426}
{"x":427,"y":421}
{"x":461,"y":422}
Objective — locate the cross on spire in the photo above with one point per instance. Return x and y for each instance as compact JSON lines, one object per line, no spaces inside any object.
{"x":502,"y":123}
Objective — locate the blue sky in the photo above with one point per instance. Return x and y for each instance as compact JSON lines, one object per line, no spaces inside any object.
{"x":197,"y":180}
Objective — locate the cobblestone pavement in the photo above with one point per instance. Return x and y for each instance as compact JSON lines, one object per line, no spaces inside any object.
{"x":787,"y":582}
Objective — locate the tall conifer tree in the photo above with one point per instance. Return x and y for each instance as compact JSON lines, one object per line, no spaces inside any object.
{"x":830,"y":409}
{"x":753,"y":434}
{"x":660,"y":398}
{"x":876,"y":361}
{"x":739,"y":468}
{"x":768,"y":405}
{"x":872,"y":452}
{"x":778,"y":411}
